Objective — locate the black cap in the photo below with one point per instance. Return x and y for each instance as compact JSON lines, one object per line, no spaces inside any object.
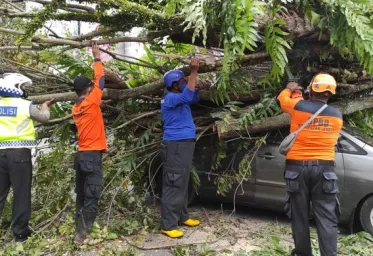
{"x":81,"y":83}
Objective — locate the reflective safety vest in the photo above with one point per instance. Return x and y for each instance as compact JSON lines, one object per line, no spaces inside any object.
{"x":16,"y":126}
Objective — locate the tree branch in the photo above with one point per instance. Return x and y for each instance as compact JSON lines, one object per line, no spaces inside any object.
{"x":349,"y":89}
{"x":16,"y":48}
{"x":55,"y":41}
{"x":73,"y":6}
{"x":118,"y":57}
{"x":74,"y":43}
{"x":226,"y":131}
{"x":113,"y":94}
{"x":137,"y":118}
{"x":13,"y":5}
{"x":137,"y":15}
{"x":20,"y":10}
{"x":11,"y":31}
{"x":92,"y":34}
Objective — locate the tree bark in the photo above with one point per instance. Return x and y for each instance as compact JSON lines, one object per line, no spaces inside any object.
{"x":51,"y":41}
{"x":72,"y":6}
{"x":16,"y":48}
{"x":227,"y":131}
{"x":92,"y":34}
{"x":112,"y":94}
{"x":131,"y":15}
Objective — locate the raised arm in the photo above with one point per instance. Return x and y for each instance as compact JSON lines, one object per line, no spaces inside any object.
{"x":99,"y":79}
{"x":196,"y":96}
{"x":287,"y":102}
{"x":188,"y":95}
{"x":192,"y":80}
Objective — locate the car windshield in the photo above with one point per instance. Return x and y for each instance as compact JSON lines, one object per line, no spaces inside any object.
{"x":359,"y":134}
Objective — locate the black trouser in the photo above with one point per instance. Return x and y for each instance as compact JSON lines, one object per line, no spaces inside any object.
{"x":177,"y":161}
{"x":316,"y":182}
{"x":89,"y":183}
{"x":16,"y":172}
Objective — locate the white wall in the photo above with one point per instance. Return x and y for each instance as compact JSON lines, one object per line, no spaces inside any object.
{"x":132,"y":49}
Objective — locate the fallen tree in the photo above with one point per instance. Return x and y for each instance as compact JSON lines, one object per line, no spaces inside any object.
{"x":244,"y":47}
{"x":243,"y":52}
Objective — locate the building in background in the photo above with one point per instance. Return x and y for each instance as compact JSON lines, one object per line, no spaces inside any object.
{"x":131,"y":49}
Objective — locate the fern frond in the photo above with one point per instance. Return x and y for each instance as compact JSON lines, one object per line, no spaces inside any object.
{"x":240,"y":33}
{"x":196,"y":15}
{"x":351,"y":27}
{"x":267,"y":107}
{"x":276,"y":47}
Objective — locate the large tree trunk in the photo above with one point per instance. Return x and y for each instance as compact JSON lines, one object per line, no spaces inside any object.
{"x":226,"y":131}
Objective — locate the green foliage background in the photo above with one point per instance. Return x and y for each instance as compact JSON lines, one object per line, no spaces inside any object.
{"x":132,"y":148}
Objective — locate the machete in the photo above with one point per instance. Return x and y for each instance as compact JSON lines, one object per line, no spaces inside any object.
{"x":291,"y":78}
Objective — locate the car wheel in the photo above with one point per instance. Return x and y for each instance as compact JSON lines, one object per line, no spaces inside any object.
{"x":366,"y":215}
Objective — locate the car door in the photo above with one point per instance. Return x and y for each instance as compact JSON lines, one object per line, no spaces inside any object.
{"x":269,"y":168}
{"x":204,"y":153}
{"x":241,"y":193}
{"x":356,"y":183}
{"x":340,"y":168}
{"x":205,"y":158}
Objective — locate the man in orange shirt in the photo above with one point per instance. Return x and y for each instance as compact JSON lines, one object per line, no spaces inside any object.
{"x":88,"y":119}
{"x":309,"y":169}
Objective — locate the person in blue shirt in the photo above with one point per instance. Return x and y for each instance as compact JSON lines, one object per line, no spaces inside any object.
{"x":177,"y":148}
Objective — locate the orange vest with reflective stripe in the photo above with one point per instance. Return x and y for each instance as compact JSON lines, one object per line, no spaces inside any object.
{"x":316,"y":141}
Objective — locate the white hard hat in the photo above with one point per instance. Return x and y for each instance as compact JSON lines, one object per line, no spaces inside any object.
{"x":12,"y":84}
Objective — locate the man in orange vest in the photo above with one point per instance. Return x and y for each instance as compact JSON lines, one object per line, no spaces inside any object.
{"x":309,"y":169}
{"x":88,"y":119}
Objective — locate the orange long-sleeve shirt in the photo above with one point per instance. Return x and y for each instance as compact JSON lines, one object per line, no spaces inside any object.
{"x":318,"y":139}
{"x":87,"y":115}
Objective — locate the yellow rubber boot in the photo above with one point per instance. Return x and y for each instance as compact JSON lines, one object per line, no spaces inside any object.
{"x":191,"y":222}
{"x":173,"y":233}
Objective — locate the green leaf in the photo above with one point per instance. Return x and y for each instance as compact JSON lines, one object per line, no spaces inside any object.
{"x":131,"y":200}
{"x":315,"y":18}
{"x":112,"y":236}
{"x":19,"y":247}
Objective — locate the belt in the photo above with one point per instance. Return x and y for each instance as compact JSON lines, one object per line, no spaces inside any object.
{"x":186,"y":140}
{"x":18,"y":144}
{"x":310,"y":162}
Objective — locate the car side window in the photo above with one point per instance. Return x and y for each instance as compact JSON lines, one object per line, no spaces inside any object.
{"x":345,"y":145}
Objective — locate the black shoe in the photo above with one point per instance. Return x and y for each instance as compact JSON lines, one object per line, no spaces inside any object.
{"x":79,"y":239}
{"x":22,"y":238}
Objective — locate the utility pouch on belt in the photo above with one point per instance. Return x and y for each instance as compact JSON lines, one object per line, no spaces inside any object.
{"x":288,"y":142}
